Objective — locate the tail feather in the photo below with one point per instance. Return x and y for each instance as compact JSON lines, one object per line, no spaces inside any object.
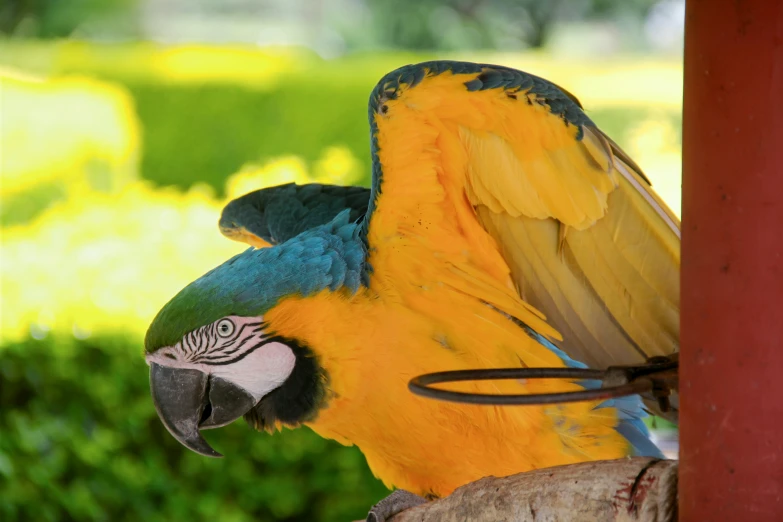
{"x":630,"y":409}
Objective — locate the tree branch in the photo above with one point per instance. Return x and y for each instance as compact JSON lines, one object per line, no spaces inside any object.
{"x":636,"y":489}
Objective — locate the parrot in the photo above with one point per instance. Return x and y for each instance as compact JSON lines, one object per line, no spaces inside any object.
{"x":502,"y":229}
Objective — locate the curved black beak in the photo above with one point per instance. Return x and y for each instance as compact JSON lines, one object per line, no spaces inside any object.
{"x":189,"y":400}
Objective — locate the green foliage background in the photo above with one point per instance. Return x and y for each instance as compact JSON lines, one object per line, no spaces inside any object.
{"x":301,"y":117}
{"x":82,"y":442}
{"x":79,"y":438}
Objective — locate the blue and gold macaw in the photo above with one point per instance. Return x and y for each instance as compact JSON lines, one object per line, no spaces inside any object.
{"x":503,"y":229}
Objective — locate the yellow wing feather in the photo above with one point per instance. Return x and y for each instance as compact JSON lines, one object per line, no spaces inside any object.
{"x":491,"y":182}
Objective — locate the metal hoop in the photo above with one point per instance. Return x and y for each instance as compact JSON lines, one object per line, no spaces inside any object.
{"x":628,"y":384}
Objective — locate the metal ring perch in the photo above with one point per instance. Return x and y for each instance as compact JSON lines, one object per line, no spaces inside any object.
{"x":658,"y":376}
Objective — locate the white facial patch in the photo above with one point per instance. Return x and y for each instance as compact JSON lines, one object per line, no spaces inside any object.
{"x":261,"y":371}
{"x":235,"y":349}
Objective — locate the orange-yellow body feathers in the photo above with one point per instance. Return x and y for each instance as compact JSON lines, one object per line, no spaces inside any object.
{"x":370,"y":349}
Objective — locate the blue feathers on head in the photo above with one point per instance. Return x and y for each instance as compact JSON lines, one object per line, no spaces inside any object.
{"x":329,"y":256}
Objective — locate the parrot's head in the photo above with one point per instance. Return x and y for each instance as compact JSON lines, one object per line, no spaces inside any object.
{"x":212,"y":356}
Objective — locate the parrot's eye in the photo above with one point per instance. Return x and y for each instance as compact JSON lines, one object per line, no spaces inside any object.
{"x":225,"y":327}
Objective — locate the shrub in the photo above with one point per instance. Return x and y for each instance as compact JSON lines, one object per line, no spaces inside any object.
{"x":50,"y":151}
{"x":80,"y":440}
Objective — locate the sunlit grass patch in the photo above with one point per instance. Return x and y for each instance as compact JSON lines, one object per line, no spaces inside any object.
{"x":600,"y":81}
{"x":201,"y":63}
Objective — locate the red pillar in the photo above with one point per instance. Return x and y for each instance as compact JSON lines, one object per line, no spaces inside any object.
{"x":732,"y":263}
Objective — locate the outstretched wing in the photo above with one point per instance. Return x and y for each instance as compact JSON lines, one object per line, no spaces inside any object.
{"x":502,"y":175}
{"x":273,"y":215}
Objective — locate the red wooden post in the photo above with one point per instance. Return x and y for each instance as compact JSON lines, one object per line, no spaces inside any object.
{"x":731,"y":442}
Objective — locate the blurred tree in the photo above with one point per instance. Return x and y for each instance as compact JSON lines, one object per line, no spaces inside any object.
{"x":58,"y":18}
{"x":607,"y":8}
{"x":399,"y":24}
{"x":484,"y":24}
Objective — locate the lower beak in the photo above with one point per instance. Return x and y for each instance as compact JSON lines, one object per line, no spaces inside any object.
{"x":188,"y":401}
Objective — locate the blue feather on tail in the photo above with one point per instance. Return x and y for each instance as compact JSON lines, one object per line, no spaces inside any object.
{"x":630,"y":409}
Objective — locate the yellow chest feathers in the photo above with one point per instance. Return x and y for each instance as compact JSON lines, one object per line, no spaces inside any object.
{"x":370,"y":348}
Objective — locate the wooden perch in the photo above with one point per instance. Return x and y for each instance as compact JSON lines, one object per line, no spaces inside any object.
{"x":627,"y":490}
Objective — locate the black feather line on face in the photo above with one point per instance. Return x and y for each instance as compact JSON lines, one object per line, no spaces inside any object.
{"x":237,"y":347}
{"x":212,"y":338}
{"x":299,"y":398}
{"x":206,"y":345}
{"x":220,"y":359}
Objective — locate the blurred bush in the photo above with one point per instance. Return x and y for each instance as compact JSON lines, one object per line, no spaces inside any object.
{"x":79,"y":440}
{"x":96,"y":236}
{"x":50,"y":150}
{"x":206,"y":111}
{"x":100,"y":262}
